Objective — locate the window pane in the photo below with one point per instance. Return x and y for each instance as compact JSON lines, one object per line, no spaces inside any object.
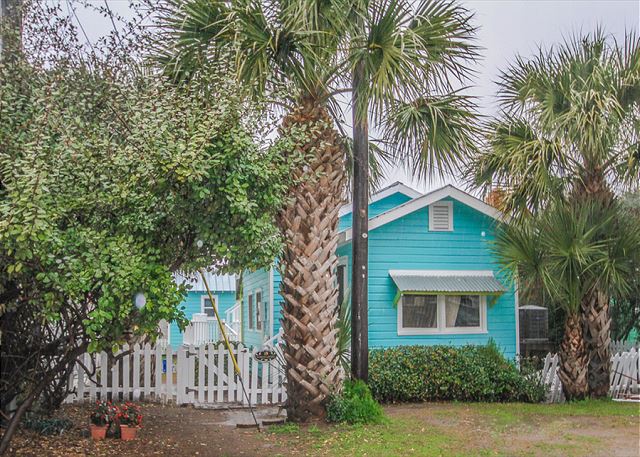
{"x":250,"y":299}
{"x":419,"y":311}
{"x":207,"y":308}
{"x":462,"y":310}
{"x":258,"y":310}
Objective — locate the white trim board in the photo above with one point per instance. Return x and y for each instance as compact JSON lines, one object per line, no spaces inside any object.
{"x":387,"y":191}
{"x":438,"y":273}
{"x":271,"y":301}
{"x":424,"y":201}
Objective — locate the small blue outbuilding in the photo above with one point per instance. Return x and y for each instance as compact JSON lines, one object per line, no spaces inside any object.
{"x":197,"y":302}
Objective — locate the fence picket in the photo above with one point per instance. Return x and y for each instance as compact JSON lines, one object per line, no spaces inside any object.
{"x":211,"y":372}
{"x":136,"y":372}
{"x":115,"y":380}
{"x":201,"y":372}
{"x":218,"y":368}
{"x":253,"y":375}
{"x":168,"y":382}
{"x":245,"y":376}
{"x":231,"y":374}
{"x":182,"y":374}
{"x":264,"y":383}
{"x":147,"y":371}
{"x":91,"y":362}
{"x":80,"y":382}
{"x":104,"y":376}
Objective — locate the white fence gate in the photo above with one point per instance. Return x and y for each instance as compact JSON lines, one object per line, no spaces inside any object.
{"x":624,"y":380}
{"x":201,"y":374}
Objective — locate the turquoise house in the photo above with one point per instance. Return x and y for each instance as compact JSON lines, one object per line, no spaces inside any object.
{"x":433,"y":278}
{"x":198,"y":307}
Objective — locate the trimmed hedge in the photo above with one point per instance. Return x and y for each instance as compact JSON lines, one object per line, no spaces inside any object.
{"x":435,"y":373}
{"x":354,"y":405}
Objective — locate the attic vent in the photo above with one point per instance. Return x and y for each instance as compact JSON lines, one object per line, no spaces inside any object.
{"x":441,"y":217}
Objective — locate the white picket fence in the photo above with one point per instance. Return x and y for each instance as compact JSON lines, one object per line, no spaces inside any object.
{"x":202,"y":374}
{"x":624,"y":380}
{"x":623,"y":346}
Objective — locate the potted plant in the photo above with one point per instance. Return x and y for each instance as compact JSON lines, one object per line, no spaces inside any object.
{"x":129,"y":418}
{"x":101,"y":417}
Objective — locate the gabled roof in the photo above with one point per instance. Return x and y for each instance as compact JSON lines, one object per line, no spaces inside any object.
{"x":425,"y":200}
{"x":216,"y":282}
{"x":396,"y":187}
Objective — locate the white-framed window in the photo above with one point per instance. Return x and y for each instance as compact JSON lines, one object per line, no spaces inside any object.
{"x":206,"y":306}
{"x":259,"y":305}
{"x":441,"y":217}
{"x":430,"y":314}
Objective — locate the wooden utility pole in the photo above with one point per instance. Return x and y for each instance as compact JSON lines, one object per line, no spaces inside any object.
{"x":360,"y":228}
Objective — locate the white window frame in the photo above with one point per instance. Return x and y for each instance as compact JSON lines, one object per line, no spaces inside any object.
{"x":205,"y":297}
{"x":449,"y":205}
{"x":441,"y":328}
{"x":259,"y":309}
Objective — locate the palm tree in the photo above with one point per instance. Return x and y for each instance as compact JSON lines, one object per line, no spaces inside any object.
{"x":568,"y":250}
{"x":569,"y":126}
{"x":299,"y":54}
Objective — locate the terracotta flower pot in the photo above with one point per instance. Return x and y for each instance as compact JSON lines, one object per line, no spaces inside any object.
{"x":98,"y":432}
{"x":128,"y":433}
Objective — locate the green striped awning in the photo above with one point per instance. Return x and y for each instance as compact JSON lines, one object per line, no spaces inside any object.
{"x":446,"y":282}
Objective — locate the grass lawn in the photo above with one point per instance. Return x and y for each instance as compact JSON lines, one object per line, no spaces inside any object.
{"x":591,"y":428}
{"x":479,"y":429}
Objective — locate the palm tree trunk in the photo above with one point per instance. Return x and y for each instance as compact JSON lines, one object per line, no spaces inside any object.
{"x":597,"y":330}
{"x":574,"y":360}
{"x":309,"y":223}
{"x":593,"y":186}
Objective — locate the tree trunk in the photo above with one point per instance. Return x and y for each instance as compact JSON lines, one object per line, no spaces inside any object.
{"x":592,"y":186}
{"x":574,"y":360}
{"x":597,"y":335}
{"x":309,"y":223}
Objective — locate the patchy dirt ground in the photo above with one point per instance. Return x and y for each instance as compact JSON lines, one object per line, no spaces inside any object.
{"x":588,"y":429}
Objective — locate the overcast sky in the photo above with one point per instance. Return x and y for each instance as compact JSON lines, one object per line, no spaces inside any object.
{"x":507,"y":28}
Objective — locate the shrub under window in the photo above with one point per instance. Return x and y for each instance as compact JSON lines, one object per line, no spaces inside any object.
{"x":434,"y":373}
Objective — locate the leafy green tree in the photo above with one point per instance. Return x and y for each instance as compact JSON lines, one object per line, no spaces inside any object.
{"x":300,"y":55}
{"x":569,"y":127}
{"x":111,"y":179}
{"x":570,"y":249}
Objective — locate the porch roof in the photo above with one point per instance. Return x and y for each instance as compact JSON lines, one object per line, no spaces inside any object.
{"x":216,"y":282}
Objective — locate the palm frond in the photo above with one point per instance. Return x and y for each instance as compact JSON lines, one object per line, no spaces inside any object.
{"x":431,"y":135}
{"x":518,"y":159}
{"x":409,"y":52}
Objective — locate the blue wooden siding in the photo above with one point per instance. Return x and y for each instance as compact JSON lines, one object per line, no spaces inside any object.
{"x":376,"y":208}
{"x":252,"y":282}
{"x":407,"y":244}
{"x":193,"y":304}
{"x":277,"y":301}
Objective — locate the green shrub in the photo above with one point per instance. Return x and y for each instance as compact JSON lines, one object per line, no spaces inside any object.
{"x":354,"y":405}
{"x":432,"y":373}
